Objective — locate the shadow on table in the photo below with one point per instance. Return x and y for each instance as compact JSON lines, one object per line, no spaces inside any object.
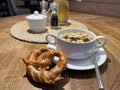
{"x":58,"y":86}
{"x":86,"y":74}
{"x":31,"y":32}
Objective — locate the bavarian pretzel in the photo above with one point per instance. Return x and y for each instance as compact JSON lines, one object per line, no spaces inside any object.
{"x":32,"y":58}
{"x":36,"y":68}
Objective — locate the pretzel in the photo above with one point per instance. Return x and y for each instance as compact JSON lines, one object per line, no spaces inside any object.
{"x":32,"y":58}
{"x":36,"y":68}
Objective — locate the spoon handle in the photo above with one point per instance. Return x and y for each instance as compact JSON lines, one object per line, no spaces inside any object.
{"x":99,"y":80}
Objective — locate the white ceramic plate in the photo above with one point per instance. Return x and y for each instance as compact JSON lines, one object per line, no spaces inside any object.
{"x":84,"y":64}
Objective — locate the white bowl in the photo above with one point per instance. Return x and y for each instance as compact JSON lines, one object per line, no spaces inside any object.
{"x":76,"y":50}
{"x":37,"y":22}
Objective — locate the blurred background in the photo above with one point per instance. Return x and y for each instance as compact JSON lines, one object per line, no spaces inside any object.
{"x":102,"y":7}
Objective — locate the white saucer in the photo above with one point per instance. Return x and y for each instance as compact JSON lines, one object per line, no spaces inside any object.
{"x":84,"y":64}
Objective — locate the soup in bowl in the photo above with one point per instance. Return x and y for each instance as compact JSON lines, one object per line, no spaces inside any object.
{"x":77,"y":37}
{"x":75,"y":42}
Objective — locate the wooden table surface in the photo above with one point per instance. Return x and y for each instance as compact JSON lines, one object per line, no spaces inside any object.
{"x":13,"y":71}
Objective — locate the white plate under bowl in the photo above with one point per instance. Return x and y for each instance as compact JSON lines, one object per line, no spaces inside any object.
{"x":84,"y":64}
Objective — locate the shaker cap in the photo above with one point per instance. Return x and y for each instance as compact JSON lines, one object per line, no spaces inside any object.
{"x":55,"y":5}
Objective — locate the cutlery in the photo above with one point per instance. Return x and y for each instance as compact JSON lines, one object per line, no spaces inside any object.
{"x":99,"y":80}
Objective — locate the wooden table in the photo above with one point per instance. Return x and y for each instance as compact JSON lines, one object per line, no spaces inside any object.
{"x":12,"y":68}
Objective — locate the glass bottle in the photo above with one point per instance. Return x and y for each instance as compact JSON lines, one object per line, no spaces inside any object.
{"x":54,"y":16}
{"x":63,"y":11}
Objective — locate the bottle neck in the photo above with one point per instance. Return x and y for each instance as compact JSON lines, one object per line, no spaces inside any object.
{"x":54,"y":11}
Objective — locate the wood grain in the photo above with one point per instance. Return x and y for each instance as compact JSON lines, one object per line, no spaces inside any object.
{"x":13,"y":72}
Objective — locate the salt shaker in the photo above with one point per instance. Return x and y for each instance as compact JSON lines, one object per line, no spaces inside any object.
{"x":44,"y":6}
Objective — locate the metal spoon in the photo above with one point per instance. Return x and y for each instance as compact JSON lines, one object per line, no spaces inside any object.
{"x":99,"y":80}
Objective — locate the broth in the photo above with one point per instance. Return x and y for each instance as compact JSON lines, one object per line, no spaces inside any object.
{"x":77,"y":37}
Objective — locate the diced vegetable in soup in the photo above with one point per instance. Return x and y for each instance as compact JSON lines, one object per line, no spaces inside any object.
{"x":76,"y":37}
